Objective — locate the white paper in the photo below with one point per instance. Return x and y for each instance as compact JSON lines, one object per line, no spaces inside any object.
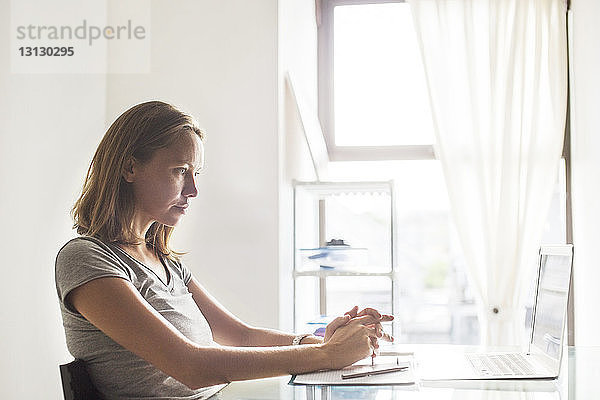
{"x":334,"y":377}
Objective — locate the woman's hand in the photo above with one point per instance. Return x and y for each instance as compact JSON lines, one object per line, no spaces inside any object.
{"x":353,"y":313}
{"x":374,"y":322}
{"x":368,"y":317}
{"x":351,"y":341}
{"x":334,"y":325}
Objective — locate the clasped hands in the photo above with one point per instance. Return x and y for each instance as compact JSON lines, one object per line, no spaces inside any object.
{"x":349,"y":333}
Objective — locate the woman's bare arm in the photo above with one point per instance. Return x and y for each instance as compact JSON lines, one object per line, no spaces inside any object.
{"x":229,"y":330}
{"x":116,"y":307}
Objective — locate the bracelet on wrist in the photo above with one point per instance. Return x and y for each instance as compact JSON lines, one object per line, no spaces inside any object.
{"x":299,"y":338}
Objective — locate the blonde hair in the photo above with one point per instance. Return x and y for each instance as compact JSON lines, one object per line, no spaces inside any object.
{"x":106,"y":206}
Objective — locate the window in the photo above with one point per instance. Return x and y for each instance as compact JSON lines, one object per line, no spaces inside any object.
{"x":373,"y":100}
{"x":375,"y":115}
{"x":374,"y":110}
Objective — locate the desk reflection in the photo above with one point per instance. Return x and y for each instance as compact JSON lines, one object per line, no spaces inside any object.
{"x":278,"y":388}
{"x":441,"y":392}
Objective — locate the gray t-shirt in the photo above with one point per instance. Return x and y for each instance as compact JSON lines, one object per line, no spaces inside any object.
{"x":116,"y":372}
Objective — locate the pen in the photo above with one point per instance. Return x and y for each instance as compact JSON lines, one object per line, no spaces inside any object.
{"x":377,"y":372}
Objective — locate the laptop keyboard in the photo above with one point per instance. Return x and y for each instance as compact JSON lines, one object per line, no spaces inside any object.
{"x":500,"y":364}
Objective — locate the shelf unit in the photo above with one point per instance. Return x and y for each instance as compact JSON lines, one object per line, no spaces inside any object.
{"x":361,"y":214}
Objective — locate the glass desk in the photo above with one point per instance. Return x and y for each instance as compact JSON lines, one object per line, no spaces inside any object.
{"x":579,"y":379}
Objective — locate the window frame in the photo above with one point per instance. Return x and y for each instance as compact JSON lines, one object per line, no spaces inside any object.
{"x":325,"y":16}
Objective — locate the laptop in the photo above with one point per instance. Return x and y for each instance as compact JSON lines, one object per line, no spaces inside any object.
{"x":543,"y":358}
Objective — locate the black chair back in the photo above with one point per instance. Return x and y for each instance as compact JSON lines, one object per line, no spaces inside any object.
{"x":76,"y":382}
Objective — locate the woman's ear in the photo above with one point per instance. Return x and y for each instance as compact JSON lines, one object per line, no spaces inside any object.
{"x":129,"y":170}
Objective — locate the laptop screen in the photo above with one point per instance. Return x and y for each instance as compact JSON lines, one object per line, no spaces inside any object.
{"x":551,"y":299}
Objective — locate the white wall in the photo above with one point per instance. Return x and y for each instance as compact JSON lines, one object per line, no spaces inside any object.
{"x":49,"y":128}
{"x":585,"y":140}
{"x":298,"y":57}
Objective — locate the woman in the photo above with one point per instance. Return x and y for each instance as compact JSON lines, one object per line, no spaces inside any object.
{"x":134,"y":313}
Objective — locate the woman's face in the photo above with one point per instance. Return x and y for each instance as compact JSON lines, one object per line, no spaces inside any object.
{"x":163,"y":186}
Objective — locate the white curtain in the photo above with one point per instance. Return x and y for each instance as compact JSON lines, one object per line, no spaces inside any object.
{"x":497,"y":78}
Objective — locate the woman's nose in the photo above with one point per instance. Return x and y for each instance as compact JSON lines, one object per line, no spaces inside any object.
{"x":190,"y":189}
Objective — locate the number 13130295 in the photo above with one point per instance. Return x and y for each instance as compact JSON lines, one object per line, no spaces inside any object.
{"x":46,"y":51}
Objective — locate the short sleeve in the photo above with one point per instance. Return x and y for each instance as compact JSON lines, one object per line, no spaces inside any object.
{"x":82,"y":260}
{"x":186,"y":274}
